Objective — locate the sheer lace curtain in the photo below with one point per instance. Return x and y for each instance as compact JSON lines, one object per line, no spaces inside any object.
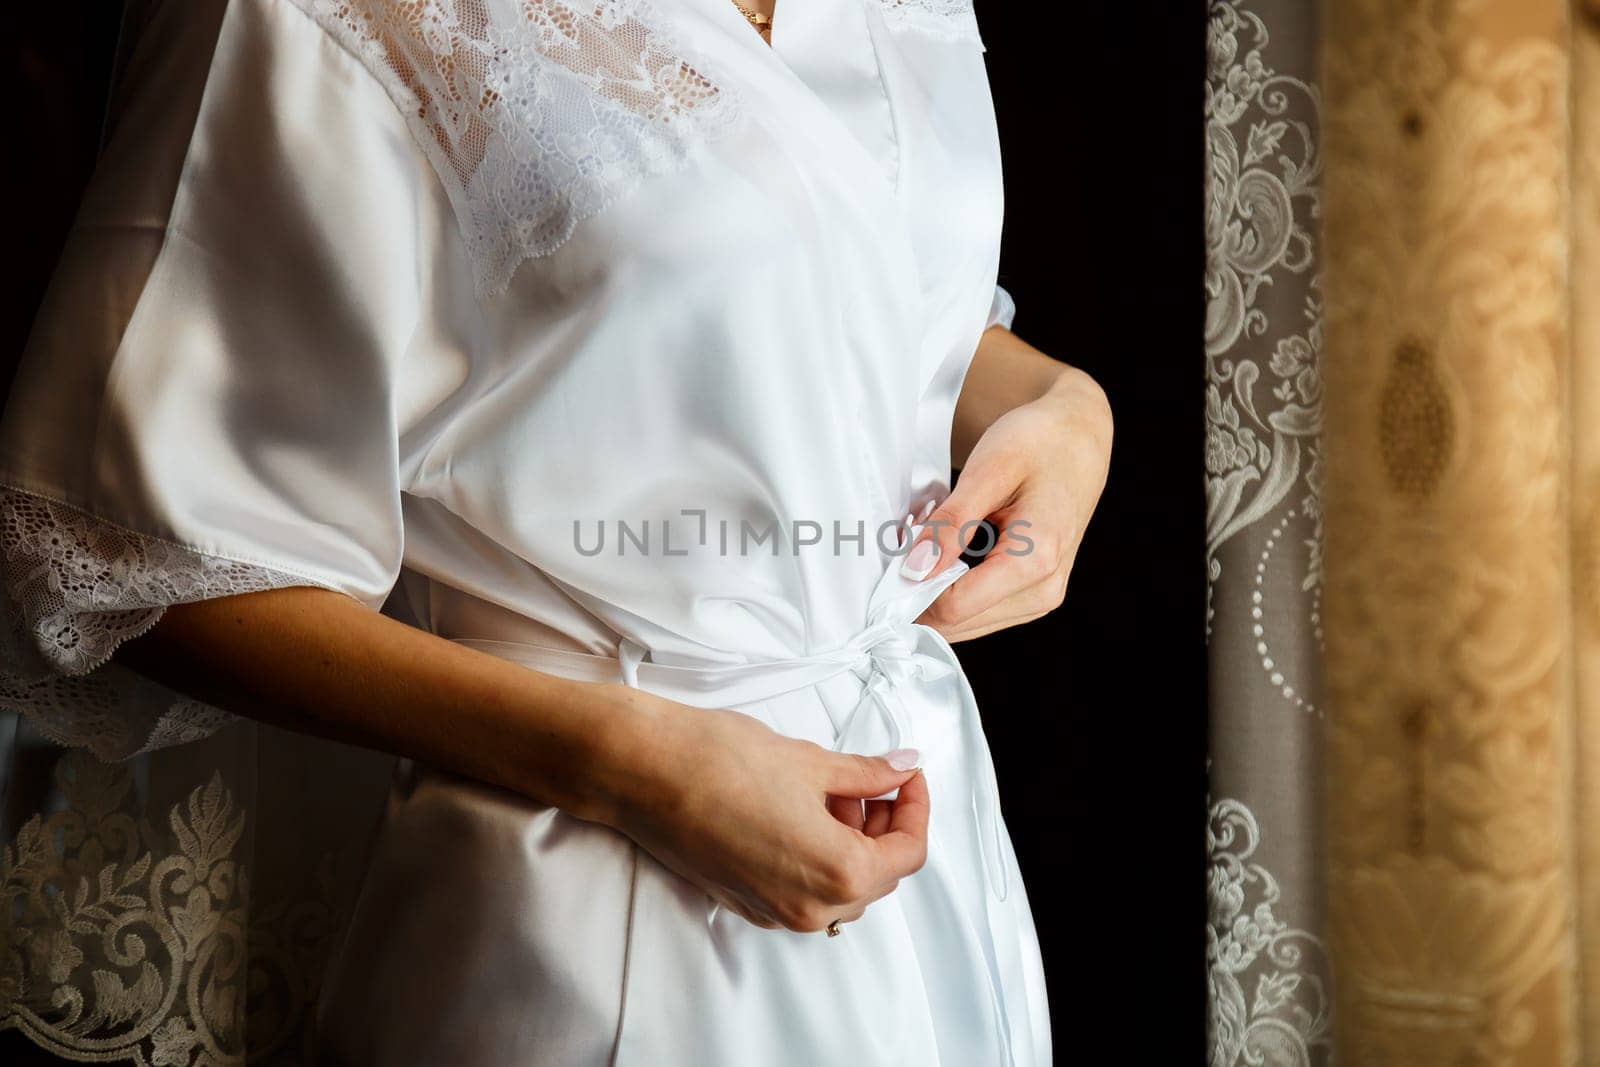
{"x":1453,"y":831}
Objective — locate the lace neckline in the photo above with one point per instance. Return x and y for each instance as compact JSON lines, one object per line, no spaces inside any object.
{"x":539,"y":114}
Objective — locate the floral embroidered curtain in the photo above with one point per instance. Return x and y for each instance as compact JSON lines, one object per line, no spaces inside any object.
{"x":1264,"y":339}
{"x":1431,"y":892}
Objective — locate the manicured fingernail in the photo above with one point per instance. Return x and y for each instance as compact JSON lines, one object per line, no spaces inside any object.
{"x":920,"y":562}
{"x":927,"y":509}
{"x":903,"y":759}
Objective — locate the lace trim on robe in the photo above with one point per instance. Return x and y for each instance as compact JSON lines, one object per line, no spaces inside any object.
{"x":537,"y":114}
{"x":946,"y":20}
{"x":79,"y":587}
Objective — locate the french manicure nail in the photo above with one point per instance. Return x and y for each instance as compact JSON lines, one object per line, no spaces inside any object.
{"x":903,"y":759}
{"x":919,"y":564}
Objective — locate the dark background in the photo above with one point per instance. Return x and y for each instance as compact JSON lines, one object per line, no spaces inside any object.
{"x":1097,"y":713}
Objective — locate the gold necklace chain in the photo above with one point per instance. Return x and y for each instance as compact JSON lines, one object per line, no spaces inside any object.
{"x":762,"y":23}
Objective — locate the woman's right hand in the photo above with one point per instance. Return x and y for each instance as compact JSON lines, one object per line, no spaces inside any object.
{"x":769,"y":826}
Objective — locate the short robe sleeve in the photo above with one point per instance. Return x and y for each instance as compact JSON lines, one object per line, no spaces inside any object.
{"x":1002,"y":310}
{"x":208,"y":402}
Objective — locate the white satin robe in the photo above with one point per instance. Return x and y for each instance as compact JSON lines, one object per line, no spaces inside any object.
{"x":280,"y":343}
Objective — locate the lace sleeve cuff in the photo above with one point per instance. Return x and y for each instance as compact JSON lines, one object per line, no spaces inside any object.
{"x":78,"y":587}
{"x":943,"y":20}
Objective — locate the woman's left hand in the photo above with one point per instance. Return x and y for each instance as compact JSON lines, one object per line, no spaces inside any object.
{"x":1035,"y":475}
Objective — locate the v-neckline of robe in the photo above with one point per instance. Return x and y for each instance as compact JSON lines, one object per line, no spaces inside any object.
{"x":826,"y":49}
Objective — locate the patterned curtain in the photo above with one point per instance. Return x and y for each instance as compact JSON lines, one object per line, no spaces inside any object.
{"x":1463,"y":438}
{"x":1405,"y":858}
{"x":1269,"y":995}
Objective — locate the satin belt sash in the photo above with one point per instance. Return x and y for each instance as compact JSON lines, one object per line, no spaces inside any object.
{"x":892,"y":653}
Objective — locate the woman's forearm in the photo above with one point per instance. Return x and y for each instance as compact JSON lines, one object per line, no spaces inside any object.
{"x":717,"y":796}
{"x":318,"y":662}
{"x":1006,"y":372}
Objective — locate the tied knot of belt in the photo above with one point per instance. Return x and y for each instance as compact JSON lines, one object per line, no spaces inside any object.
{"x":894,"y":657}
{"x":886,"y":655}
{"x":898,"y":662}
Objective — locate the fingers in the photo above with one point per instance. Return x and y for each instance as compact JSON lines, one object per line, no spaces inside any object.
{"x":903,"y":847}
{"x":982,"y":490}
{"x":997,"y":579}
{"x":857,"y":868}
{"x":878,"y":815}
{"x":841,"y":915}
{"x":842,"y":868}
{"x":1019,"y":579}
{"x":848,"y":811}
{"x":860,"y":777}
{"x":991,"y":621}
{"x":752,"y":917}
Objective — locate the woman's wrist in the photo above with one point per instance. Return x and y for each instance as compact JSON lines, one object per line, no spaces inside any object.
{"x":1007,"y":373}
{"x":612,"y":769}
{"x":1082,"y":403}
